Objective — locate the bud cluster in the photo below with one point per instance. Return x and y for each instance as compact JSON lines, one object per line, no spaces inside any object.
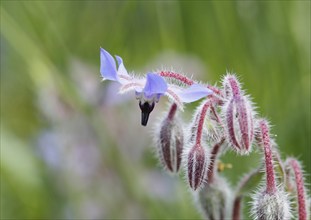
{"x":225,"y":119}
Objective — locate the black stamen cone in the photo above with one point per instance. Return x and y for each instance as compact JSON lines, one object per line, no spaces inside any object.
{"x":145,"y":108}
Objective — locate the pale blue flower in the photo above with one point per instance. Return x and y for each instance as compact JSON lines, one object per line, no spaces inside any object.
{"x":150,"y":89}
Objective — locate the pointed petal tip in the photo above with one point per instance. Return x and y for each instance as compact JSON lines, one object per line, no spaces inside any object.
{"x":119,"y":59}
{"x":107,"y":65}
{"x":194,"y":93}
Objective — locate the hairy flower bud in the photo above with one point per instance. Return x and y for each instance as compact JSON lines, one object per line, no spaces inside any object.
{"x":196,"y":157}
{"x":238,"y":123}
{"x":170,"y":141}
{"x":214,"y":200}
{"x":271,"y":206}
{"x":197,"y":161}
{"x":238,"y":116}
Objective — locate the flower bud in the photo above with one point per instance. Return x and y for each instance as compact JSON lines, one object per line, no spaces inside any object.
{"x":197,"y":160}
{"x":271,"y":206}
{"x":238,"y":122}
{"x":214,"y":200}
{"x":170,"y":141}
{"x":238,"y":116}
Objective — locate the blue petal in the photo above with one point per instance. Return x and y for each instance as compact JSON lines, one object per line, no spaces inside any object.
{"x":194,"y":93}
{"x":155,"y":84}
{"x":119,"y":59}
{"x":121,"y":68}
{"x":107,"y":66}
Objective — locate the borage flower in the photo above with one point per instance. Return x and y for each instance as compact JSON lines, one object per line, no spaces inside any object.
{"x":150,"y":89}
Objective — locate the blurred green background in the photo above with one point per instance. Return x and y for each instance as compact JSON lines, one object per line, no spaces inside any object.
{"x":72,"y":148}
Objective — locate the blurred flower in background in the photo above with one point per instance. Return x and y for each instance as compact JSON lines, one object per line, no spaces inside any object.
{"x":71,"y":147}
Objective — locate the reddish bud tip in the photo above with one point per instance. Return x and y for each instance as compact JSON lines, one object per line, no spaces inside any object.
{"x":231,"y":86}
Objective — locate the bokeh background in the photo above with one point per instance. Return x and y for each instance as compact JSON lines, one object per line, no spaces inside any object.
{"x":72,"y":148}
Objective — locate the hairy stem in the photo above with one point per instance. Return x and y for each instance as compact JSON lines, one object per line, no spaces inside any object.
{"x":177,"y":76}
{"x":211,"y":168}
{"x":217,"y":118}
{"x":201,"y":122}
{"x":236,"y":214}
{"x":270,"y":176}
{"x":186,"y":80}
{"x":302,"y":206}
{"x":214,"y":89}
{"x":172,"y":111}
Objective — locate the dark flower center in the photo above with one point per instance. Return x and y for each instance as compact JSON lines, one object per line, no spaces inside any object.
{"x":145,"y":108}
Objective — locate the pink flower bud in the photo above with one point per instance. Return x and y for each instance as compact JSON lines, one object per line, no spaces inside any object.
{"x":170,"y":141}
{"x":238,"y":116}
{"x":238,"y":122}
{"x":197,"y":161}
